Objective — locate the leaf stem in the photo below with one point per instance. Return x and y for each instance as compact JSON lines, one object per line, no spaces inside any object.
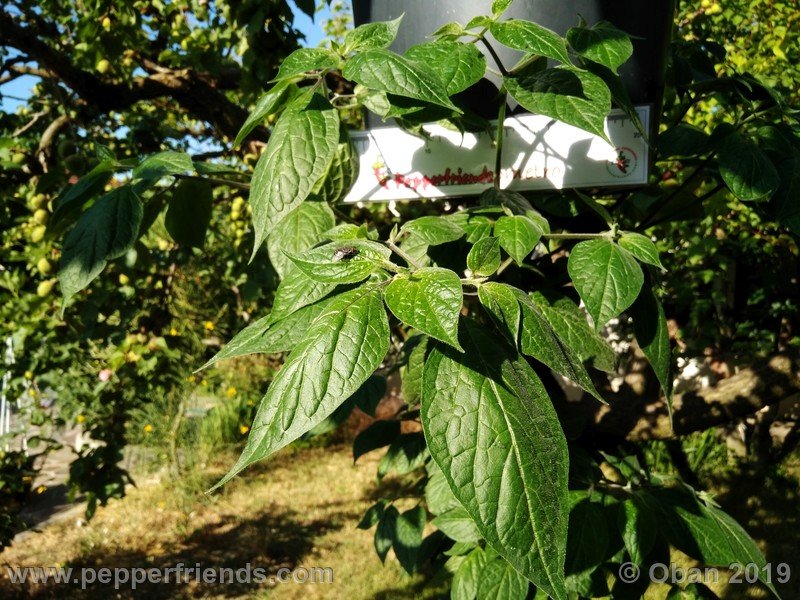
{"x":496,"y":58}
{"x":403,"y":254}
{"x":579,"y":236}
{"x":505,"y":264}
{"x":498,"y":152}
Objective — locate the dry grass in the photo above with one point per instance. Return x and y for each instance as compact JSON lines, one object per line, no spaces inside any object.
{"x":299,"y":510}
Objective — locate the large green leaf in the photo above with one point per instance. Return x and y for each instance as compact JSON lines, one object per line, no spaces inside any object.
{"x":652,"y":335}
{"x":412,"y":371}
{"x":77,"y":195}
{"x":189,"y":213}
{"x":386,"y":71}
{"x":268,"y":336}
{"x":467,"y":578}
{"x":406,"y":453}
{"x":297,"y":232}
{"x":484,"y":257}
{"x":787,"y":198}
{"x":706,"y":533}
{"x":541,"y":340}
{"x":372,"y":35}
{"x":434,"y":230}
{"x":430,"y":300}
{"x":377,"y":435}
{"x":305,"y":60}
{"x":746,"y":170}
{"x":295,"y":291}
{"x":572,"y":326}
{"x":586,"y":546}
{"x":162,"y":164}
{"x":341,"y":349}
{"x":104,"y":232}
{"x":642,"y":248}
{"x":502,"y":304}
{"x":268,"y":104}
{"x":302,"y":146}
{"x":494,"y":433}
{"x":518,"y":236}
{"x":567,"y":94}
{"x":530,"y":37}
{"x":458,"y":525}
{"x":498,"y":580}
{"x":408,"y":537}
{"x":607,"y":277}
{"x":438,"y":496}
{"x":638,"y":528}
{"x":601,"y":43}
{"x":341,"y":173}
{"x":342,"y":262}
{"x":458,"y":65}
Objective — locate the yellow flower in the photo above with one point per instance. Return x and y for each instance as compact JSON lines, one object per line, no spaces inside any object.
{"x":148,"y":428}
{"x":191,"y":378}
{"x":250,"y":403}
{"x":28,"y":374}
{"x":208,"y":326}
{"x":173,"y":331}
{"x":41,"y":489}
{"x":80,"y":418}
{"x":243,"y":429}
{"x":230,"y":392}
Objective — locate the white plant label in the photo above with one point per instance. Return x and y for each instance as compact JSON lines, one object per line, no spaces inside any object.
{"x":539,"y":153}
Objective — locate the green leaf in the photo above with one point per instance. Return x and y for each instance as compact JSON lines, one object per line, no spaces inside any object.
{"x":540,"y":340}
{"x":373,"y":515}
{"x":268,"y":336}
{"x":408,"y":537}
{"x":530,"y":37}
{"x":468,"y":576}
{"x":386,"y":71}
{"x":706,"y":533}
{"x":295,"y":291}
{"x":342,"y":262}
{"x":438,"y":496}
{"x":341,"y":173}
{"x":641,"y":247}
{"x":377,"y":435}
{"x":607,"y":278}
{"x":518,"y":236}
{"x":501,"y":302}
{"x":652,"y":335}
{"x":458,"y":65}
{"x":189,"y":213}
{"x":76,"y":196}
{"x":370,"y":394}
{"x":571,"y":325}
{"x":430,"y":300}
{"x":372,"y":35}
{"x":638,"y":528}
{"x":341,"y":349}
{"x":305,"y":60}
{"x":499,"y":580}
{"x":407,"y":453}
{"x":104,"y":232}
{"x":567,"y":94}
{"x":494,"y":433}
{"x":297,"y":232}
{"x":162,"y":164}
{"x":412,"y":371}
{"x":458,"y":525}
{"x":484,"y":257}
{"x":384,"y":534}
{"x":586,"y":545}
{"x":500,"y":6}
{"x":433,"y":230}
{"x":302,"y":146}
{"x":746,"y":170}
{"x":601,"y":43}
{"x":787,"y":198}
{"x":268,"y":104}
{"x":682,"y":140}
{"x":693,"y":591}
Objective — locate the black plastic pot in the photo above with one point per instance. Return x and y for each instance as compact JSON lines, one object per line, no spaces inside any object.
{"x":649,"y":22}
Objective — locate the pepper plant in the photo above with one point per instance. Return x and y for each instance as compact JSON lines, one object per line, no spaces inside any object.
{"x":477,"y":306}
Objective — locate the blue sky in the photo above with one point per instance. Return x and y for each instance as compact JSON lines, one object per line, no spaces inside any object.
{"x":21,"y":87}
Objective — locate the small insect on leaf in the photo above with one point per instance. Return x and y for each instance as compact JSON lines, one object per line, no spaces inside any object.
{"x":345,"y":253}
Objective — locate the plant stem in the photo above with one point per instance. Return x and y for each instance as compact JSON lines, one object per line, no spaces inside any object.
{"x":402,"y":254}
{"x":498,"y":152}
{"x":494,"y":56}
{"x":578,"y":236}
{"x":506,"y":263}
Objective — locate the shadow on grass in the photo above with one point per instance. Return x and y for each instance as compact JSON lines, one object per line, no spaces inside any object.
{"x":270,"y":541}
